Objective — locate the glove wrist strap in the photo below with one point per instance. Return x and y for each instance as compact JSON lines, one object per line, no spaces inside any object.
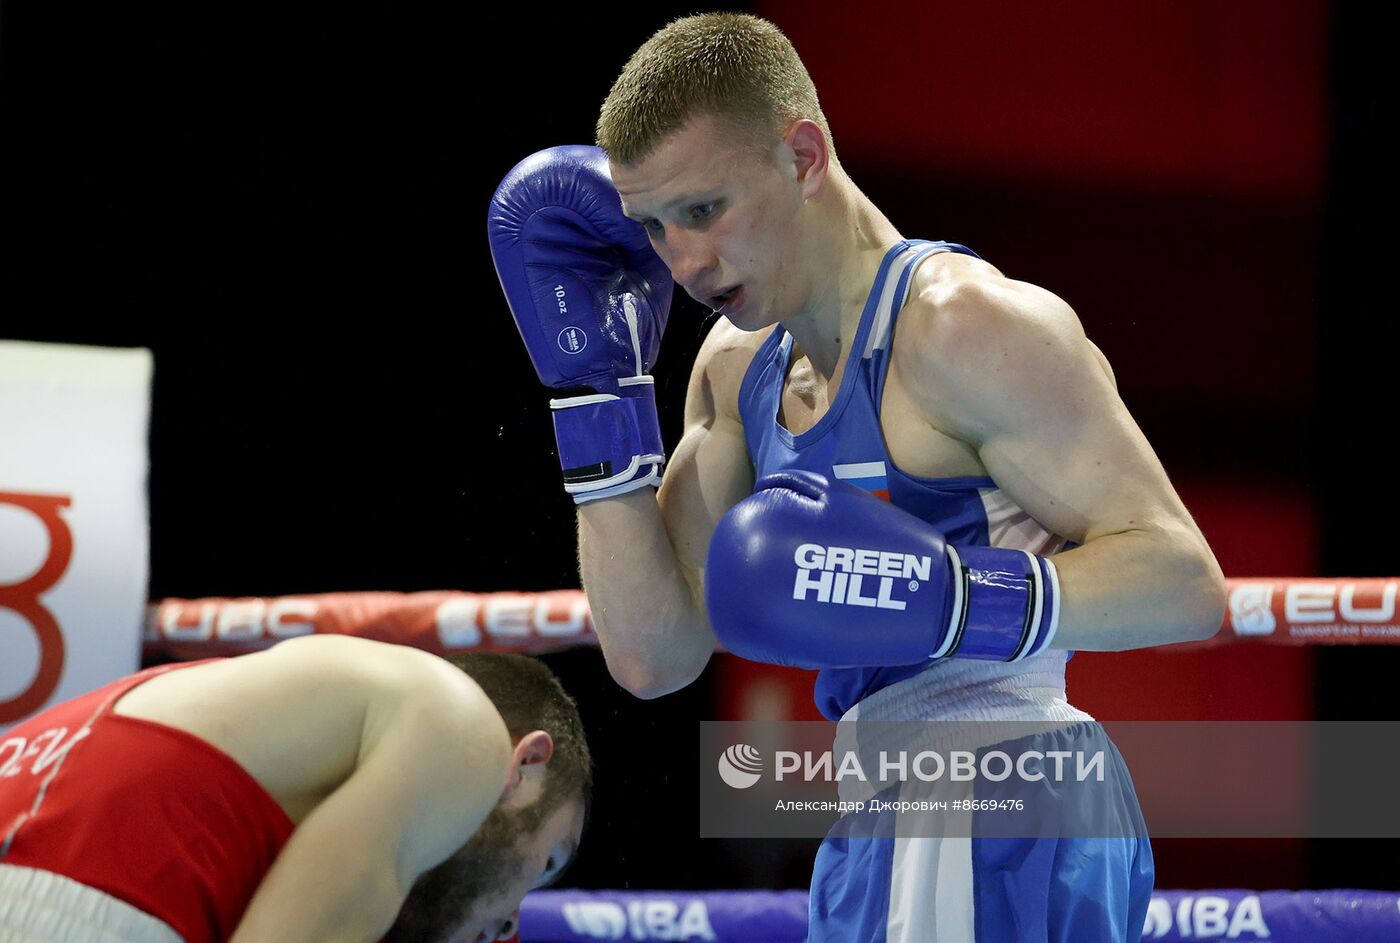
{"x":609,"y":443}
{"x":1005,"y":604}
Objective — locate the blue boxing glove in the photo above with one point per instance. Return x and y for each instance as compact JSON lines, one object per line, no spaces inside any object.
{"x":819,"y":574}
{"x":590,"y":298}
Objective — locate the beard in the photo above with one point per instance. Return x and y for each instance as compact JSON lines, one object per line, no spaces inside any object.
{"x":442,"y":899}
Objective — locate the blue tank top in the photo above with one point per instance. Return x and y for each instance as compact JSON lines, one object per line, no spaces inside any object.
{"x":847,"y":443}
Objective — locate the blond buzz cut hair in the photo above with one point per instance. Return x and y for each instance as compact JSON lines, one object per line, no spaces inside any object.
{"x":738,"y":68}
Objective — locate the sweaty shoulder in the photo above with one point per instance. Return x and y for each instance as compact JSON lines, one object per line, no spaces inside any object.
{"x":299,"y":715}
{"x":968,"y":333}
{"x":343,"y":672}
{"x":723,"y":360}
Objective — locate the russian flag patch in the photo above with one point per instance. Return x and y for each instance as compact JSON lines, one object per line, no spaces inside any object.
{"x":867,"y":476}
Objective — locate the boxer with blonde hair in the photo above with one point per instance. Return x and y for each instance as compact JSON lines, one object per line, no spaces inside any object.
{"x":899,"y":466}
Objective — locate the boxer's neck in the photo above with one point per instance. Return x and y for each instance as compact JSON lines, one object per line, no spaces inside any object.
{"x":846,"y":240}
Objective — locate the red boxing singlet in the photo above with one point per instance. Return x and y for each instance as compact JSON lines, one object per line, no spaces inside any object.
{"x":146,"y":813}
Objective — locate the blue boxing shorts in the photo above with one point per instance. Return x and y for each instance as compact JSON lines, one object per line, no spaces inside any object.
{"x":1079,"y":870}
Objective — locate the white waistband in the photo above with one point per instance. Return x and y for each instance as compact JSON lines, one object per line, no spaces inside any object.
{"x":961,"y":704}
{"x":42,"y":907}
{"x":968,"y":689}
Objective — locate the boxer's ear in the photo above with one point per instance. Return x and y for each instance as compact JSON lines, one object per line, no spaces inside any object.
{"x":535,"y":747}
{"x":531,"y":753}
{"x":806,"y":148}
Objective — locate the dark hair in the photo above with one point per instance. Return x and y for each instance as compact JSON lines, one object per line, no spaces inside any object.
{"x":529,"y":697}
{"x":734,"y":66}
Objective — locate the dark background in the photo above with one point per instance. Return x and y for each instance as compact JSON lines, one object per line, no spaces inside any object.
{"x":287,"y":206}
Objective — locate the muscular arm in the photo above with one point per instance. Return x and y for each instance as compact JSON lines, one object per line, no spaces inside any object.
{"x":1005,"y":366}
{"x":641,"y":557}
{"x":432,"y":761}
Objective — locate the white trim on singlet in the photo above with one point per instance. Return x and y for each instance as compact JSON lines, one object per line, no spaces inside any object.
{"x":7,"y":840}
{"x":879,"y":335}
{"x":1011,"y":526}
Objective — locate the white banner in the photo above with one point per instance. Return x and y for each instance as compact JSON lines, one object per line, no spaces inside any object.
{"x":73,"y":523}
